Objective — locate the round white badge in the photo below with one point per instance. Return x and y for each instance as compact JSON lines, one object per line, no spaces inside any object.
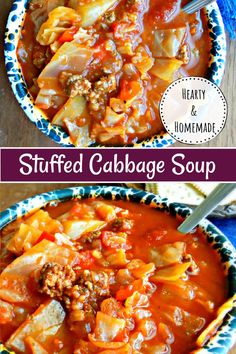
{"x":193,"y":110}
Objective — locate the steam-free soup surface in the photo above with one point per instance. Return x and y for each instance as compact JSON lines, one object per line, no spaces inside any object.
{"x":97,"y":276}
{"x":98,"y":68}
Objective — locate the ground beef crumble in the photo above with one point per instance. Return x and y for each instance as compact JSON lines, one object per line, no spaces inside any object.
{"x":54,"y":279}
{"x":95,"y":94}
{"x":97,"y":98}
{"x":74,"y":84}
{"x":86,"y":295}
{"x":82,"y":291}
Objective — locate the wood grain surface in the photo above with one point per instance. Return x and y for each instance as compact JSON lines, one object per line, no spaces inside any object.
{"x":12,"y":193}
{"x":17,"y":131}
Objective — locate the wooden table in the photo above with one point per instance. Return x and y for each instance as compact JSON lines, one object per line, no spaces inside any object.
{"x":17,"y":131}
{"x":12,"y":193}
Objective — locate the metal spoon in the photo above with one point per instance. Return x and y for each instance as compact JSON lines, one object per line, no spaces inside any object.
{"x":206,"y":207}
{"x":195,"y":5}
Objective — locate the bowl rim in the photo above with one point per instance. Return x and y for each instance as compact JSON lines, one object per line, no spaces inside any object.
{"x":220,"y":341}
{"x":15,"y":21}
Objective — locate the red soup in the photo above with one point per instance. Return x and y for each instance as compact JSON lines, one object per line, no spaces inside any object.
{"x":95,"y":276}
{"x":98,"y":68}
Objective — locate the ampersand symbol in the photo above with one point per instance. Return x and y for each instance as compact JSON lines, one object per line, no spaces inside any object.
{"x":193,"y":112}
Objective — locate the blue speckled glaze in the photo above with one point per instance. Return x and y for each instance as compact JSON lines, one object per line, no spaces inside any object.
{"x":221,"y":341}
{"x":14,"y":26}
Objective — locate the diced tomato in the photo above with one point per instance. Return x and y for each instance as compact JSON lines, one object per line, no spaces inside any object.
{"x":68,"y":35}
{"x":129,"y":89}
{"x":46,"y":236}
{"x":86,"y":259}
{"x":122,"y":294}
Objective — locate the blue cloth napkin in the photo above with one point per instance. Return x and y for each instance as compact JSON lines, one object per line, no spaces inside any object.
{"x":227,"y":226}
{"x":228,"y":12}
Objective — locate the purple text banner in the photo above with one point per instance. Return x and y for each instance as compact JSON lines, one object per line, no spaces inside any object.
{"x":117,"y":165}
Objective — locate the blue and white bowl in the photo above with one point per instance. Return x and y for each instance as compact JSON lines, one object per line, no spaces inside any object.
{"x":14,"y":25}
{"x":219,"y":340}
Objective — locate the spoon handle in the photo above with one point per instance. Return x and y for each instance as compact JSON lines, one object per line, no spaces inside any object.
{"x":206,"y":207}
{"x":195,"y":5}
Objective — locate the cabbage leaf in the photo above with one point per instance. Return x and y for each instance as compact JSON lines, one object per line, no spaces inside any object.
{"x":49,"y":315}
{"x":72,"y":110}
{"x":165,"y":68}
{"x":58,"y":20}
{"x":90,"y":12}
{"x":167,"y":42}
